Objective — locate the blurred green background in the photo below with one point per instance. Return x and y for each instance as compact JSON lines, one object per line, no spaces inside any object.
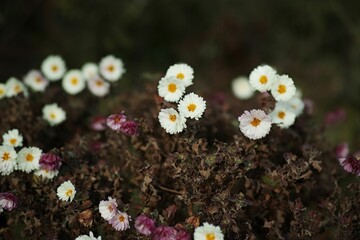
{"x":316,"y":42}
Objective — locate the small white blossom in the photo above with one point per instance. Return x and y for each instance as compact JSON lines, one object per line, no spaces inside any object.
{"x":242,"y":89}
{"x":192,"y":106}
{"x":53,"y":114}
{"x":262,"y":78}
{"x":53,"y":68}
{"x":28,"y":159}
{"x":181,"y":71}
{"x":282,"y":115}
{"x":90,"y":70}
{"x":171,"y":89}
{"x":283,"y":88}
{"x":66,"y":191}
{"x":172,"y":121}
{"x":111,"y":68}
{"x":36,"y":81}
{"x":13,"y":138}
{"x":255,"y":124}
{"x":15,"y":87}
{"x":73,"y":82}
{"x":7,"y":160}
{"x":208,"y":232}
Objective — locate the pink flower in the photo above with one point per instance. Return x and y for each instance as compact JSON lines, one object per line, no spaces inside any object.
{"x":145,"y":225}
{"x":50,"y":161}
{"x":351,"y":164}
{"x":130,"y":128}
{"x":98,"y":123}
{"x":164,"y":233}
{"x":336,"y":116}
{"x":8,"y":201}
{"x":342,"y":150}
{"x":115,"y":121}
{"x":120,"y":221}
{"x":182,"y":235}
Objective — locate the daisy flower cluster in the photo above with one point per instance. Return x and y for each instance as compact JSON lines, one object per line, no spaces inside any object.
{"x":96,"y":77}
{"x":172,"y":88}
{"x":26,"y":160}
{"x":147,"y":226}
{"x":120,"y":221}
{"x":256,"y":124}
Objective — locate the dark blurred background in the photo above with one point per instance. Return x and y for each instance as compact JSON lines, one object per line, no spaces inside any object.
{"x":316,"y":42}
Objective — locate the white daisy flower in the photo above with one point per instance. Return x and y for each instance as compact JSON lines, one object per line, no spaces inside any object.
{"x":66,"y":191}
{"x":2,"y":90}
{"x":86,"y":237}
{"x":242,"y":89}
{"x":46,"y":174}
{"x":13,"y":138}
{"x":120,"y":221}
{"x":90,"y":70}
{"x":262,"y":78}
{"x":297,"y":105}
{"x":53,"y":68}
{"x":192,"y":106}
{"x":111,"y":68}
{"x":98,"y":86}
{"x":181,"y":71}
{"x":282,"y":115}
{"x":283,"y":88}
{"x":255,"y":124}
{"x":15,"y":87}
{"x":108,"y":208}
{"x":171,"y":121}
{"x":53,"y":114}
{"x":208,"y":232}
{"x":36,"y":81}
{"x":171,"y":89}
{"x":7,"y":160}
{"x":73,"y":82}
{"x":28,"y":159}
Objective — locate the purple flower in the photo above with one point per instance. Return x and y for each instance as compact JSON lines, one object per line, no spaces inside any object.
{"x":50,"y":161}
{"x":145,"y":225}
{"x":182,"y":235}
{"x":350,"y":164}
{"x":115,"y":121}
{"x":98,"y":123}
{"x":342,"y":150}
{"x":164,"y":233}
{"x":130,"y":128}
{"x":336,"y":116}
{"x":8,"y":201}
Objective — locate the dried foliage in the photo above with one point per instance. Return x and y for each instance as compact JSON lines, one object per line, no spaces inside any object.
{"x":285,"y":186}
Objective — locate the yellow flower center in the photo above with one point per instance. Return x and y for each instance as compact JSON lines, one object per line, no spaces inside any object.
{"x":282,"y":89}
{"x":2,"y":91}
{"x":69,"y":193}
{"x":29,"y":157}
{"x":121,"y":218}
{"x":52,"y":116}
{"x":255,"y":122}
{"x":110,"y":68}
{"x":263,"y":79}
{"x":54,"y":68}
{"x":172,"y":117}
{"x":191,"y":107}
{"x":172,"y":87}
{"x":99,"y":83}
{"x":180,"y":76}
{"x":17,"y":88}
{"x":6,"y":156}
{"x":210,"y":236}
{"x":38,"y":79}
{"x":12,"y":141}
{"x":281,"y":115}
{"x":74,"y":81}
{"x":110,"y":208}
